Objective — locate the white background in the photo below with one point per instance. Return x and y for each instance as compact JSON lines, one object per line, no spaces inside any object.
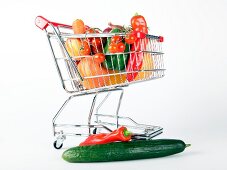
{"x":190,"y":102}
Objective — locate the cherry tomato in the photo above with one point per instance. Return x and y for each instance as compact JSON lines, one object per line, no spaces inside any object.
{"x":130,"y":38}
{"x":138,"y":20}
{"x":85,"y":48}
{"x":116,"y":39}
{"x":113,"y":48}
{"x":99,"y":57}
{"x":120,"y":47}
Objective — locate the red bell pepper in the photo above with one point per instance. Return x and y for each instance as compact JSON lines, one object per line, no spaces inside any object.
{"x":135,"y":61}
{"x":120,"y":134}
{"x":138,"y":21}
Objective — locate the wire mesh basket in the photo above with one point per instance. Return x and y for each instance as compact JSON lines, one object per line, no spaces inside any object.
{"x":81,"y":73}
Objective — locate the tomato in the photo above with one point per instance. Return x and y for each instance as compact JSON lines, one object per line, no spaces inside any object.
{"x":84,"y":48}
{"x":77,"y":47}
{"x":113,"y":48}
{"x":138,"y":20}
{"x":99,"y":57}
{"x":130,"y":38}
{"x":116,"y":39}
{"x":120,"y":47}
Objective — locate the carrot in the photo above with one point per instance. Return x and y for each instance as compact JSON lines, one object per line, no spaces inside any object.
{"x":78,"y":27}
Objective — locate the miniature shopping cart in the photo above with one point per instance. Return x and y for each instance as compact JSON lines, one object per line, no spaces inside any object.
{"x":78,"y":80}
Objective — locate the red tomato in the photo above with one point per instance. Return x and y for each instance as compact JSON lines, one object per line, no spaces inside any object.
{"x":120,"y":47}
{"x":116,"y":39}
{"x":130,"y":38}
{"x":99,"y":57}
{"x":85,"y":48}
{"x":113,"y":48}
{"x":138,"y":20}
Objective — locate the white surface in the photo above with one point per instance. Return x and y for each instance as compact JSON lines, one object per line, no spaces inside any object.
{"x":189,"y":102}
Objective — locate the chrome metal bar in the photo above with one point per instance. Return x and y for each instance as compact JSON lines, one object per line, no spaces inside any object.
{"x":76,"y":95}
{"x":65,"y":126}
{"x":94,"y":35}
{"x":91,"y":111}
{"x":71,"y":73}
{"x":59,"y":111}
{"x":102,"y":102}
{"x":104,"y":89}
{"x":55,"y":61}
{"x":66,"y":52}
{"x":118,"y":107}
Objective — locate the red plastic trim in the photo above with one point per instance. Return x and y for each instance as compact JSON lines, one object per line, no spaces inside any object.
{"x":43,"y":23}
{"x":161,"y":38}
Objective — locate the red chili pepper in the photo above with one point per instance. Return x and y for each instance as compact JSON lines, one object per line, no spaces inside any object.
{"x":120,"y":134}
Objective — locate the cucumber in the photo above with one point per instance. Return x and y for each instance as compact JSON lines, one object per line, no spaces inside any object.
{"x":121,"y":151}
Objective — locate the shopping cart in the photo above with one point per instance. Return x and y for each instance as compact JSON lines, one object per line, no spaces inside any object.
{"x":78,"y":79}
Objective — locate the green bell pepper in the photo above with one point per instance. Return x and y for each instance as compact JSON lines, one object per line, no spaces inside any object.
{"x":115,"y":61}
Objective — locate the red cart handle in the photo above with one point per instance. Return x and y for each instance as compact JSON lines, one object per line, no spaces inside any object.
{"x":43,"y":23}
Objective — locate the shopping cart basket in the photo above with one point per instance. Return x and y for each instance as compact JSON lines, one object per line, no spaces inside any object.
{"x":93,"y":78}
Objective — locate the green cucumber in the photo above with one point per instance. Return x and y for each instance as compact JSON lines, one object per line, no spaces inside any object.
{"x":121,"y":151}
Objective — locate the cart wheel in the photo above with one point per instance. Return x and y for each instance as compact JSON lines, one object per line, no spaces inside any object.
{"x":57,"y":146}
{"x":94,"y":131}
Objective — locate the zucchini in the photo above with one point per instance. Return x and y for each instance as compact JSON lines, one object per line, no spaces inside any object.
{"x":121,"y":151}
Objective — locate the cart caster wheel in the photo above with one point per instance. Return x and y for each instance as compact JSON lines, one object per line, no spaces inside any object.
{"x":57,"y":146}
{"x":94,"y":131}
